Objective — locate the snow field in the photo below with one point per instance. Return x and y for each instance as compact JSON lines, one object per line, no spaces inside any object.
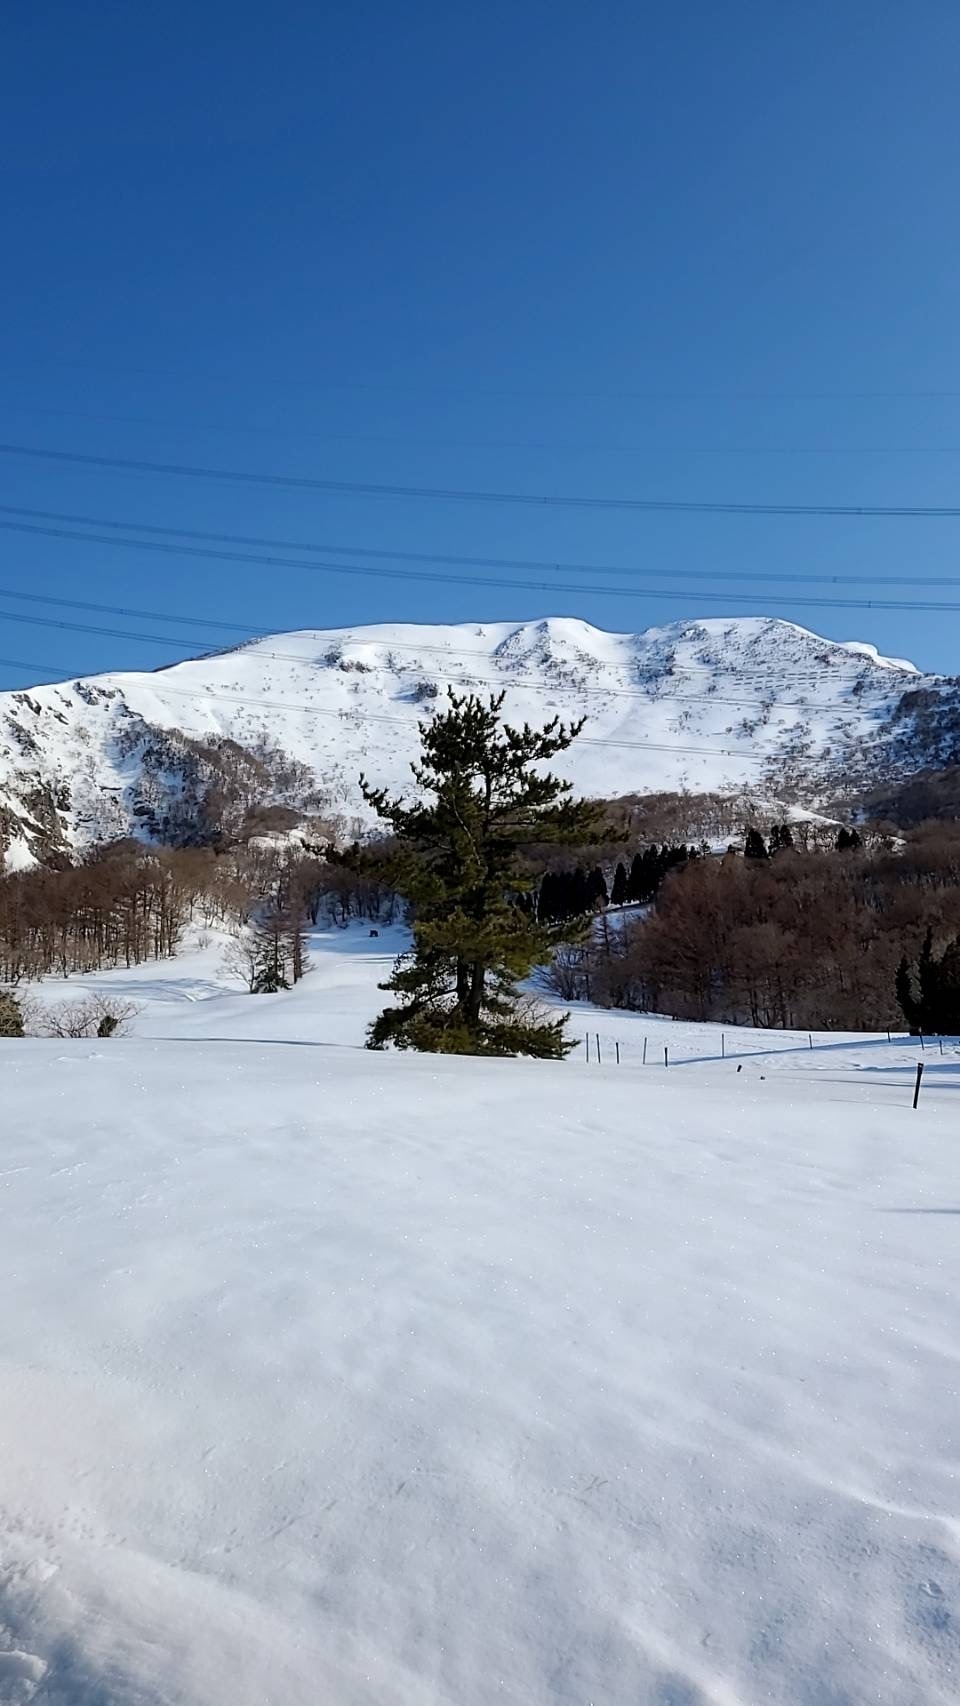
{"x":330,"y":1376}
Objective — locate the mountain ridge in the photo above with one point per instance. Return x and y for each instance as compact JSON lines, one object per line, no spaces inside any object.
{"x":289,"y":721}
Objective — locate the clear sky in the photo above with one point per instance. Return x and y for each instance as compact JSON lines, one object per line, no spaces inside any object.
{"x":698,"y":251}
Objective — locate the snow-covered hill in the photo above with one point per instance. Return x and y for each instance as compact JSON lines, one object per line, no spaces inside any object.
{"x":706,"y":705}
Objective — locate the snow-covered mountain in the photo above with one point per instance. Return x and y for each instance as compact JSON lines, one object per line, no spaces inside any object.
{"x":292,"y":720}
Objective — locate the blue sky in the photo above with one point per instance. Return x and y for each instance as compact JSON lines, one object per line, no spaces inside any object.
{"x":699,"y":251}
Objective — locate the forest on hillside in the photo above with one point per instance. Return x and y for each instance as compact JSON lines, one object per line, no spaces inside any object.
{"x":789,"y":930}
{"x":790,"y":938}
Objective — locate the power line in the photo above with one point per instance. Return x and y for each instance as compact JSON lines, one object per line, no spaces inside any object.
{"x":369,"y":488}
{"x":171,"y":549}
{"x":28,"y":668}
{"x":648,"y":395}
{"x":465,"y":677}
{"x":445,"y":440}
{"x":537,"y":565}
{"x":800,"y":677}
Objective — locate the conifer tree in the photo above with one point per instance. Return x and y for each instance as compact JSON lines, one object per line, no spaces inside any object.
{"x":754,"y":847}
{"x":637,"y":877}
{"x":928,"y":980}
{"x":459,"y":864}
{"x":268,"y":933}
{"x":618,"y":893}
{"x":597,"y":889}
{"x":905,"y":996}
{"x":948,"y":991}
{"x":548,"y":896}
{"x":579,"y":901}
{"x":11,"y":1018}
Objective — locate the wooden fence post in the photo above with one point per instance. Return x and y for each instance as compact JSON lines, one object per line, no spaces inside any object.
{"x":916,"y":1087}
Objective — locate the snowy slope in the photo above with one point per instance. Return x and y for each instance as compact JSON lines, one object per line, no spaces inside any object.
{"x":705,"y":705}
{"x":358,"y":1379}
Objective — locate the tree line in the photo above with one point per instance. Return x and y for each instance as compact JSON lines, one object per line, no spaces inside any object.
{"x":791,"y":940}
{"x":127,"y":903}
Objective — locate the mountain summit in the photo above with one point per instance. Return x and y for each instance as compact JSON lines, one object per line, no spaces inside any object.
{"x":290,"y":720}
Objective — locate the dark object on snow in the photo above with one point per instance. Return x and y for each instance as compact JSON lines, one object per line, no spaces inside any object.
{"x":374,"y":932}
{"x":11,"y":1018}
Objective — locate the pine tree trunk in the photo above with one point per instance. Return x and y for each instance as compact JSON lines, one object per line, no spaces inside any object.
{"x":475,"y":995}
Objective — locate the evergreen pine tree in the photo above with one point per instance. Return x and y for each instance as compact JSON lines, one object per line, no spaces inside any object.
{"x":578,"y":894}
{"x":948,"y":991}
{"x":928,"y":980}
{"x":618,"y":893}
{"x":11,"y":1018}
{"x":547,"y":896}
{"x":652,"y":867}
{"x":905,"y":997}
{"x":843,"y":841}
{"x":637,"y":878}
{"x":597,"y":889}
{"x":459,"y":864}
{"x":754,"y":847}
{"x":270,"y":947}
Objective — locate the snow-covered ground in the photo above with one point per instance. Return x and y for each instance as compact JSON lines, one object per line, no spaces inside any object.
{"x":353,"y":1379}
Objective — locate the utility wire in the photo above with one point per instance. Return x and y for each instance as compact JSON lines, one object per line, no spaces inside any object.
{"x":464,"y":677}
{"x":534,"y":564}
{"x":569,"y":446}
{"x":315,"y":384}
{"x":798,"y":677}
{"x":369,"y":488}
{"x":169,"y":548}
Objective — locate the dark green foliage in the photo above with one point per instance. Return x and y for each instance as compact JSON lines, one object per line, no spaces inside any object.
{"x":563,"y":895}
{"x":780,"y":838}
{"x":11,"y":1018}
{"x":618,"y":893}
{"x":904,"y":991}
{"x":649,"y":868}
{"x":927,"y":978}
{"x":848,"y":841}
{"x":458,"y":862}
{"x":755,"y":847}
{"x":597,"y":889}
{"x":948,"y":991}
{"x":107,"y":1025}
{"x":935,"y":1010}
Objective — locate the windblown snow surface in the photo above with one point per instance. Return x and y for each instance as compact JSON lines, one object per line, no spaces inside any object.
{"x":339,"y":1379}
